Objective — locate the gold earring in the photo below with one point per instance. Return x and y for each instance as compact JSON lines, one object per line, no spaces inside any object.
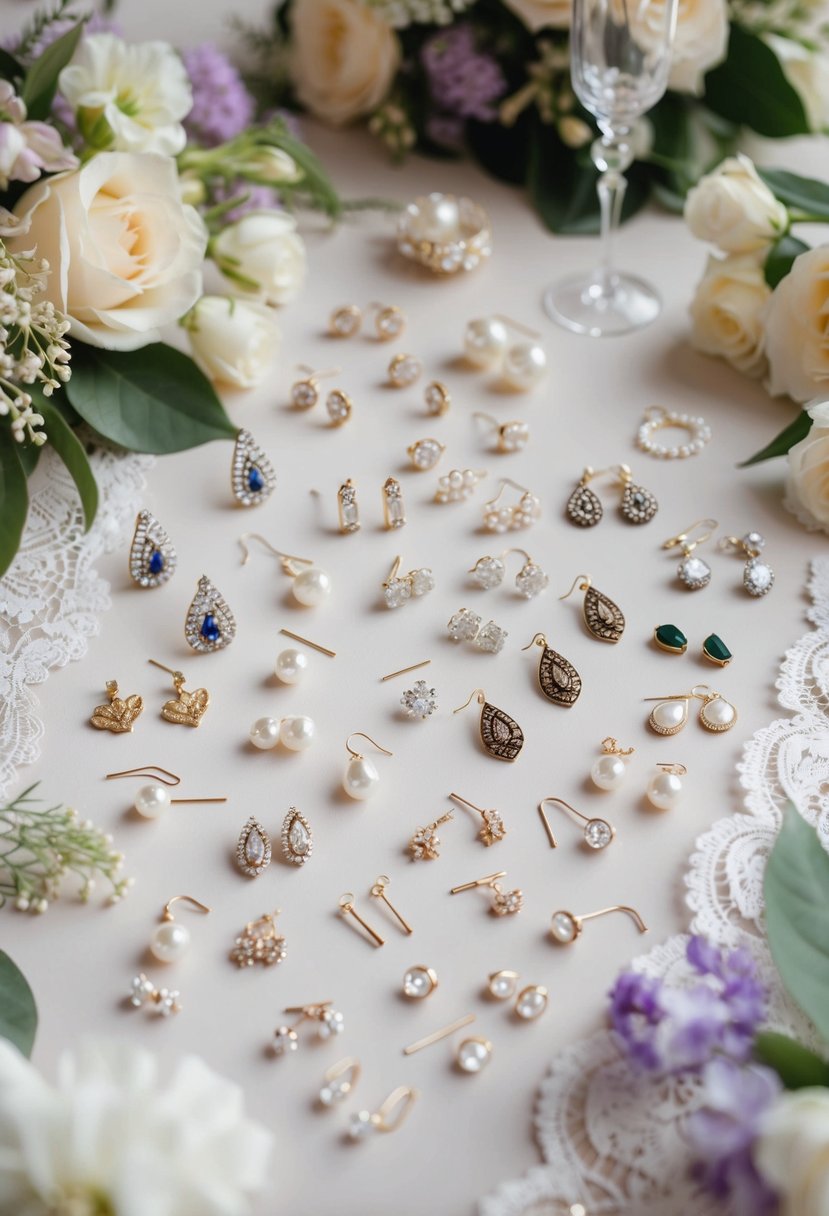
{"x":493,"y":825}
{"x":348,"y":508}
{"x":604,"y":619}
{"x":509,"y":436}
{"x":170,"y":939}
{"x":637,"y":505}
{"x":473,"y":1054}
{"x":404,"y":370}
{"x":531,"y":1002}
{"x":584,"y":507}
{"x":297,"y":837}
{"x":716,"y":714}
{"x":522,"y":514}
{"x":378,"y":891}
{"x":311,"y":585}
{"x":419,"y":982}
{"x":259,"y":944}
{"x":188,"y":708}
{"x":501,"y":736}
{"x":504,"y":903}
{"x":501,"y":985}
{"x":346,"y":906}
{"x":252,"y":476}
{"x":209,"y":624}
{"x":345,"y":321}
{"x":152,"y":559}
{"x":669,"y":716}
{"x":425,"y":843}
{"x":389,"y":321}
{"x":458,"y":484}
{"x":329,"y":1023}
{"x":566,"y":927}
{"x":339,"y":1080}
{"x":437,"y":397}
{"x":425,"y":454}
{"x":253,"y":848}
{"x":388,"y":1116}
{"x":394,"y":510}
{"x":692,"y":571}
{"x":151,"y":800}
{"x":304,"y":392}
{"x":598,"y":833}
{"x":120,"y":714}
{"x":340,"y":407}
{"x":557,"y":677}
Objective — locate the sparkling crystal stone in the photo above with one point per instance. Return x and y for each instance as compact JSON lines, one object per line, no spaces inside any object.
{"x":350,"y":514}
{"x":507,"y":903}
{"x":338,"y":406}
{"x":513,"y":436}
{"x":491,"y":638}
{"x":397,"y":591}
{"x":598,"y":833}
{"x":405,"y":370}
{"x":488,"y":572}
{"x":502,"y":985}
{"x":420,"y":701}
{"x":426,"y":453}
{"x":669,"y":637}
{"x":493,"y":828}
{"x":303,"y":394}
{"x":473,"y":1055}
{"x":422,"y":581}
{"x":715,"y":649}
{"x":530,"y":580}
{"x":334,"y":1091}
{"x":464,"y":625}
{"x":531,"y":1003}
{"x":563,"y":927}
{"x":256,"y":481}
{"x":209,"y":629}
{"x":758,"y":577}
{"x":360,"y":1125}
{"x":156,"y":563}
{"x":299,"y":838}
{"x":694,"y":572}
{"x":417,"y":983}
{"x":754,"y":540}
{"x":254,"y":848}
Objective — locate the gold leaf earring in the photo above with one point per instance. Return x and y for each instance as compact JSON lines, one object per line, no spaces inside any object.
{"x":187,"y":708}
{"x":557,"y":677}
{"x":501,"y":735}
{"x":604,"y":618}
{"x":118,"y":716}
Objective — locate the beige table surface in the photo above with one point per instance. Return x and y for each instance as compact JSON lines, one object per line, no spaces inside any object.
{"x":466,"y":1133}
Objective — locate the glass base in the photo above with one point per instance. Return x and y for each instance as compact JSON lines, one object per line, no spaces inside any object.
{"x":584,"y":305}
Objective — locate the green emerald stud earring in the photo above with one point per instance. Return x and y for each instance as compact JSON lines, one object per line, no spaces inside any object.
{"x":671,"y":639}
{"x":715,"y":650}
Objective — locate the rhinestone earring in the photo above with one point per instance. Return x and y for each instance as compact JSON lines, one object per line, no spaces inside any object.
{"x":504,"y":903}
{"x":163,"y":1001}
{"x":329,"y":1021}
{"x":209,"y":624}
{"x":345,"y":321}
{"x":339,"y":1080}
{"x":531,"y":580}
{"x":388,"y":1116}
{"x":425,"y":454}
{"x":152,"y":800}
{"x":419,"y":701}
{"x":304,"y":392}
{"x":758,"y":576}
{"x":604,"y":619}
{"x":437,"y":398}
{"x":424,"y":845}
{"x":598,"y":833}
{"x":398,"y":591}
{"x":253,"y":848}
{"x":458,"y":485}
{"x":465,"y":626}
{"x":692,"y":571}
{"x":508,"y":436}
{"x":187,"y":708}
{"x":637,"y":505}
{"x":566,"y":927}
{"x":665,"y":786}
{"x":389,"y":321}
{"x":346,"y":907}
{"x":170,"y":940}
{"x":522,"y":514}
{"x":296,"y":733}
{"x":152,"y":559}
{"x":361,"y":777}
{"x":311,"y":585}
{"x":584,"y":507}
{"x":501,"y":736}
{"x":404,"y":371}
{"x":394,"y":509}
{"x":557,"y":677}
{"x":378,"y":891}
{"x":259,"y":944}
{"x":348,"y":510}
{"x":297,"y":837}
{"x":252,"y":477}
{"x":609,"y":770}
{"x":118,"y":716}
{"x":493,"y":828}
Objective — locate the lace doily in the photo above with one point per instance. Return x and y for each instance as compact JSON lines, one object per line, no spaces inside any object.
{"x":52,"y":597}
{"x":615,"y":1149}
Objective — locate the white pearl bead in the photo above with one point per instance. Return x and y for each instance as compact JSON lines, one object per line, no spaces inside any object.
{"x":524,"y":365}
{"x":265,"y":733}
{"x":719,"y":711}
{"x":438,"y":219}
{"x":664,"y":790}
{"x":169,"y":941}
{"x":669,"y":714}
{"x":151,"y":800}
{"x":484,"y":341}
{"x":297,"y":733}
{"x":360,"y":778}
{"x":290,"y":666}
{"x":312,"y":586}
{"x":608,"y":772}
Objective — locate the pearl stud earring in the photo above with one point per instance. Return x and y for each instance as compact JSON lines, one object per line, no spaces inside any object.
{"x":152,"y":800}
{"x":419,"y":982}
{"x":361,"y":777}
{"x":609,"y":769}
{"x":311,"y":585}
{"x":565,"y":927}
{"x":170,"y":940}
{"x":508,"y":436}
{"x":458,"y":484}
{"x":486,"y":344}
{"x":329,"y":1022}
{"x":291,"y":664}
{"x":296,"y":733}
{"x":665,"y":786}
{"x":425,"y":454}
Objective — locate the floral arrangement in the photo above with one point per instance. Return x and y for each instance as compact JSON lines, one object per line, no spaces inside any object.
{"x":123,"y":169}
{"x":759,"y":1137}
{"x":763,"y":305}
{"x":491,"y":77}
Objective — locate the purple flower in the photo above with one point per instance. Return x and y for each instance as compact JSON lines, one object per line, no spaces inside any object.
{"x":463,"y":81}
{"x":222,"y":106}
{"x":258,"y":198}
{"x":635,"y":1009}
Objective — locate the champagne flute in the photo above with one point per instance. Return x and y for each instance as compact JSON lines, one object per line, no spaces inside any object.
{"x":620,"y":57}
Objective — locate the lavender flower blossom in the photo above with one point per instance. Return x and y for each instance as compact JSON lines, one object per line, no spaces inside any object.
{"x":222,"y":106}
{"x":463,"y":81}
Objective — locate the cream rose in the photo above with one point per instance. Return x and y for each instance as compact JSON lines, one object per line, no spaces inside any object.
{"x":344,"y":58}
{"x":234,"y":342}
{"x":727,"y":312}
{"x":700,"y":43}
{"x":734,"y":209}
{"x":807,"y":491}
{"x":797,"y":328}
{"x":808,"y":73}
{"x":125,"y":253}
{"x":539,"y":14}
{"x":262,"y":254}
{"x":792,"y":1151}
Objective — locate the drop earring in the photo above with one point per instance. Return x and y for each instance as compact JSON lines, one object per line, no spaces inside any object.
{"x":557,"y":677}
{"x":209,"y":624}
{"x":584,"y":507}
{"x":348,"y":510}
{"x":693,"y":571}
{"x":670,"y":714}
{"x":758,"y":576}
{"x":259,"y":944}
{"x":425,"y":843}
{"x":566,"y":927}
{"x":311,"y":585}
{"x":604,"y":619}
{"x":668,"y":717}
{"x":252,"y":478}
{"x":493,"y":828}
{"x":522,"y":514}
{"x":152,"y":800}
{"x":716,"y":714}
{"x":501,"y":736}
{"x":170,"y":940}
{"x":504,"y":903}
{"x":297,"y":837}
{"x":187,"y":708}
{"x":361,"y":777}
{"x":637,"y":505}
{"x":609,"y":770}
{"x":508,"y":436}
{"x":163,"y":1001}
{"x":597,"y":834}
{"x":665,"y":786}
{"x":346,"y":907}
{"x":118,"y":716}
{"x":152,"y":559}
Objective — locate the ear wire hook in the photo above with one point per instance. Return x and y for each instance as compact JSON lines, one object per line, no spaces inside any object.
{"x":538,"y":640}
{"x":678,"y":769}
{"x":167,"y":914}
{"x":476,"y":692}
{"x":546,"y":822}
{"x":287,"y":559}
{"x":681,"y":539}
{"x":147,"y":770}
{"x":359,"y":734}
{"x":631,"y":912}
{"x":311,"y":376}
{"x":584,"y":585}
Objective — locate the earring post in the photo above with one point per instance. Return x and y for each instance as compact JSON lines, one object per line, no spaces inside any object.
{"x":437,"y":1035}
{"x":296,"y":637}
{"x":403,"y":670}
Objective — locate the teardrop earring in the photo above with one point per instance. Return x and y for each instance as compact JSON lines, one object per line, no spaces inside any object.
{"x":637,"y":505}
{"x":604,"y":619}
{"x":501,"y":736}
{"x":252,"y":477}
{"x":209,"y":624}
{"x":152,"y":559}
{"x":716,"y":714}
{"x":670,"y":714}
{"x":361,"y":777}
{"x":557,"y":677}
{"x":311,"y":585}
{"x":584,"y":507}
{"x":253,"y":848}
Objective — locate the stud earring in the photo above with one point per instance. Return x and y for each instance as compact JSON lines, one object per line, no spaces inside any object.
{"x":297,"y":837}
{"x":348,"y":509}
{"x":609,"y":770}
{"x":557,"y":677}
{"x":425,"y":454}
{"x":404,"y":370}
{"x":464,"y":625}
{"x":485,"y":341}
{"x":187,"y":708}
{"x":339,"y":406}
{"x":637,"y":505}
{"x":670,"y":639}
{"x":387,"y":1117}
{"x":345,"y":321}
{"x":378,"y":891}
{"x":501,"y":736}
{"x":361,"y":777}
{"x":501,"y":985}
{"x":420,"y":701}
{"x":119,"y":715}
{"x":296,"y":733}
{"x":394,"y":510}
{"x":508,"y":436}
{"x":311,"y":585}
{"x":252,"y":477}
{"x":419,"y":982}
{"x":531,"y":1002}
{"x":522,"y":514}
{"x":253,"y":848}
{"x":339,"y":1080}
{"x":493,"y":828}
{"x":692,"y":571}
{"x":152,"y":800}
{"x":170,"y":940}
{"x":665,"y":786}
{"x":458,"y":485}
{"x":598,"y":833}
{"x":304,"y":392}
{"x":758,"y":576}
{"x":329,"y":1022}
{"x":209,"y":624}
{"x":163,"y":1001}
{"x":604,"y":619}
{"x":504,"y":903}
{"x":424,"y":845}
{"x":437,"y":398}
{"x":389,"y":321}
{"x":152,"y":560}
{"x":473,"y":1054}
{"x":566,"y":927}
{"x":715,"y":651}
{"x":398,"y":591}
{"x":259,"y":944}
{"x":346,"y":907}
{"x":531,"y":580}
{"x":584,"y":507}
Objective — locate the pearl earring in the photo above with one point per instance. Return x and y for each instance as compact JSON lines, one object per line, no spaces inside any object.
{"x":361,"y":777}
{"x":311,"y":585}
{"x":671,"y":713}
{"x":163,"y":1001}
{"x":458,"y":484}
{"x":170,"y":940}
{"x":425,"y":454}
{"x":522,"y":514}
{"x":508,"y":436}
{"x":296,"y":733}
{"x":329,"y":1022}
{"x":291,"y":664}
{"x":665,"y":786}
{"x":565,"y":927}
{"x":152,"y":800}
{"x":608,"y":770}
{"x":485,"y":344}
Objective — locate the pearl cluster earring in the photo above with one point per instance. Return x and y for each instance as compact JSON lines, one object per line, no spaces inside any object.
{"x":522,"y":514}
{"x":486,"y":344}
{"x":458,"y":485}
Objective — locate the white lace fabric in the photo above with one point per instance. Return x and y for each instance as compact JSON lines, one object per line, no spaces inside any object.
{"x":615,"y":1145}
{"x":51,"y":598}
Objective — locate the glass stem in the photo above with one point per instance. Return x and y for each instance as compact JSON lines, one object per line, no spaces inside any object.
{"x":611,"y":155}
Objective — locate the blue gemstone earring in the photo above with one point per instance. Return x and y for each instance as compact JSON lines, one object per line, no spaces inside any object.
{"x":152,"y":556}
{"x":209,"y":624}
{"x":251,"y":473}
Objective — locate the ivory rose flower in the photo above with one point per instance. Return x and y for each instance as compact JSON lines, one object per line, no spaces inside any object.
{"x":538,"y":14}
{"x":807,"y":71}
{"x":808,"y":483}
{"x":700,"y":43}
{"x":344,"y":58}
{"x":733,"y":208}
{"x":792,"y":1151}
{"x":728,"y":310}
{"x":263,"y":254}
{"x":797,"y":328}
{"x":234,"y":342}
{"x":125,"y":254}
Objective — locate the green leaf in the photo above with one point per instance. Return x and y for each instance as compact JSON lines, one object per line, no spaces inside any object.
{"x":149,"y":400}
{"x":18,"y":1011}
{"x":805,"y":194}
{"x":751,"y":88}
{"x":796,"y":1066}
{"x":796,"y":888}
{"x":315,"y":181}
{"x":71,"y":451}
{"x":781,"y":257}
{"x":41,"y":82}
{"x":14,"y":499}
{"x":10,"y":69}
{"x":787,"y":438}
{"x":29,"y":456}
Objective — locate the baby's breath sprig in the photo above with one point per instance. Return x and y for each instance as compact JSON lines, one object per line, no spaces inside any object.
{"x":40,"y":846}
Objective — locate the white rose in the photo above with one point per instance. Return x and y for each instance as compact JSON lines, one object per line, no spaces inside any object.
{"x":344,"y":58}
{"x":701,"y":39}
{"x":797,"y":328}
{"x":734,"y":209}
{"x":234,"y":342}
{"x":792,"y":1151}
{"x":263,"y":254}
{"x":130,"y":98}
{"x":539,"y":14}
{"x":125,"y":253}
{"x":727,"y":312}
{"x":808,"y":484}
{"x":808,"y":74}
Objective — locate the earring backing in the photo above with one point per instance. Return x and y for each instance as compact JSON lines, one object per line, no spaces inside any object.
{"x":501,"y":985}
{"x":598,"y":833}
{"x":119,"y":715}
{"x":170,"y":939}
{"x":693,"y":571}
{"x":151,"y":800}
{"x":188,"y":708}
{"x":346,"y":906}
{"x":388,"y":1116}
{"x":508,"y":436}
{"x":311,"y":585}
{"x":493,"y":825}
{"x":504,"y":903}
{"x":566,"y":927}
{"x":378,"y":891}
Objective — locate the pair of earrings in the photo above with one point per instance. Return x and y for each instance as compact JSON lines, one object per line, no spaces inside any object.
{"x":296,"y":733}
{"x":695,"y":573}
{"x":487,"y":344}
{"x":530,"y":1003}
{"x":672,"y":640}
{"x":501,"y":736}
{"x":347,"y":320}
{"x":348,"y":507}
{"x":185,"y":709}
{"x":152,"y":800}
{"x":466,"y":626}
{"x":328,"y":1020}
{"x":503,"y":903}
{"x":669,"y":716}
{"x":609,"y":770}
{"x":399,"y":590}
{"x":377,"y":891}
{"x":584,"y":508}
{"x":253,"y":848}
{"x":488,"y":572}
{"x":338,"y":1082}
{"x":424,"y":844}
{"x":305,"y":395}
{"x":311,"y":585}
{"x":513,"y":517}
